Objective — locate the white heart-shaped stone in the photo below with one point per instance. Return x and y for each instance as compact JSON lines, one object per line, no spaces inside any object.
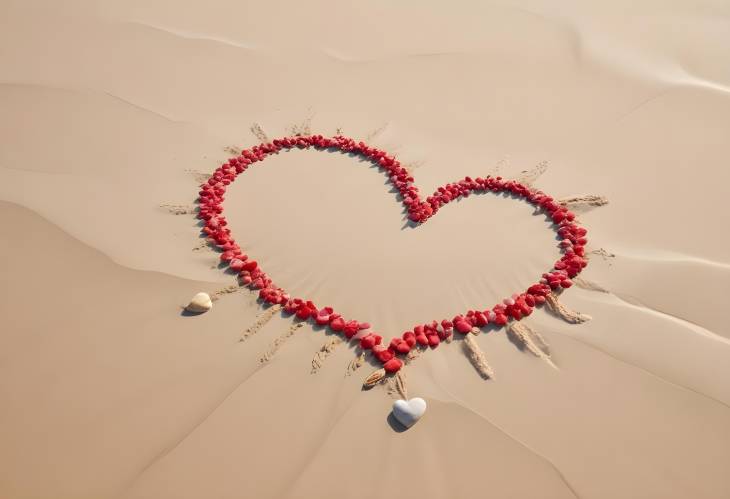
{"x":200,"y":303}
{"x":407,"y":412}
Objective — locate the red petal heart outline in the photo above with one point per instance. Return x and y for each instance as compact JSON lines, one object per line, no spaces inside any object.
{"x":210,"y":201}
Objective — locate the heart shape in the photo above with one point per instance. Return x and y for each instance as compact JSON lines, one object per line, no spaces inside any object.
{"x":408,"y":412}
{"x":430,"y":334}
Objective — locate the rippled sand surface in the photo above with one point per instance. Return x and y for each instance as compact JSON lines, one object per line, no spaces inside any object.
{"x":112,"y":114}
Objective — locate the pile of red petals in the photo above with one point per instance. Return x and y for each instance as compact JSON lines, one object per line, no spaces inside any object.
{"x":519,"y":305}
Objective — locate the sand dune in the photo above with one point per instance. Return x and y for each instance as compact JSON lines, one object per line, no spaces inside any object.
{"x":112,"y":115}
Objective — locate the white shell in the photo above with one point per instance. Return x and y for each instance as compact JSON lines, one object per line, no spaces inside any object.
{"x":199,"y":303}
{"x":410,"y":411}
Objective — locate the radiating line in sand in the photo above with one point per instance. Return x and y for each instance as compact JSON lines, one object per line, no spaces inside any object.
{"x":323,"y":352}
{"x":414,"y":354}
{"x":602,"y":253}
{"x":370,"y":136}
{"x":560,"y":310}
{"x":276,"y":345}
{"x":233,"y":288}
{"x":178,"y":209}
{"x":260,"y":322}
{"x":529,"y":177}
{"x":589,"y":200}
{"x":374,"y":378}
{"x":477,"y":358}
{"x":303,"y":128}
{"x":259,"y":133}
{"x":528,"y":339}
{"x":355,"y":364}
{"x":200,"y":177}
{"x":397,"y":385}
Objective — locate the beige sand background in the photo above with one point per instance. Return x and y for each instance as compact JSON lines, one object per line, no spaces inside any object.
{"x":109,"y":110}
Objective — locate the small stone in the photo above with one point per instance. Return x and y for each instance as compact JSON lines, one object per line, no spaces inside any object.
{"x":199,"y":303}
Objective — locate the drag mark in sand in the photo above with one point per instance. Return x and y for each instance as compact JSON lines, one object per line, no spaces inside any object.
{"x":179,"y":209}
{"x":370,"y":136}
{"x":413,"y":354}
{"x":397,"y":385}
{"x":526,"y":338}
{"x":303,"y":128}
{"x":323,"y":352}
{"x":477,"y":358}
{"x":200,"y":177}
{"x":355,"y":364}
{"x":560,"y":310}
{"x":589,"y":200}
{"x":603,"y":253}
{"x":260,"y":322}
{"x":233,"y":288}
{"x":374,"y":378}
{"x":276,"y":345}
{"x":529,"y":177}
{"x":259,"y":133}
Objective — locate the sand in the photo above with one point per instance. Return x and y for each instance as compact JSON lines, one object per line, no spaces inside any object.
{"x":112,"y":114}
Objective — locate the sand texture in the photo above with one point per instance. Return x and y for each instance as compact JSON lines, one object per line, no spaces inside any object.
{"x":113,"y":113}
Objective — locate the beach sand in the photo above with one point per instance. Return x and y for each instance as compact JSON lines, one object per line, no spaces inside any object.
{"x":112,"y":115}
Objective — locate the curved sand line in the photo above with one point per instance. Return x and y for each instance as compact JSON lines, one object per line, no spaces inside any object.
{"x":666,"y":257}
{"x":463,"y":405}
{"x":589,"y":285}
{"x":631,"y":302}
